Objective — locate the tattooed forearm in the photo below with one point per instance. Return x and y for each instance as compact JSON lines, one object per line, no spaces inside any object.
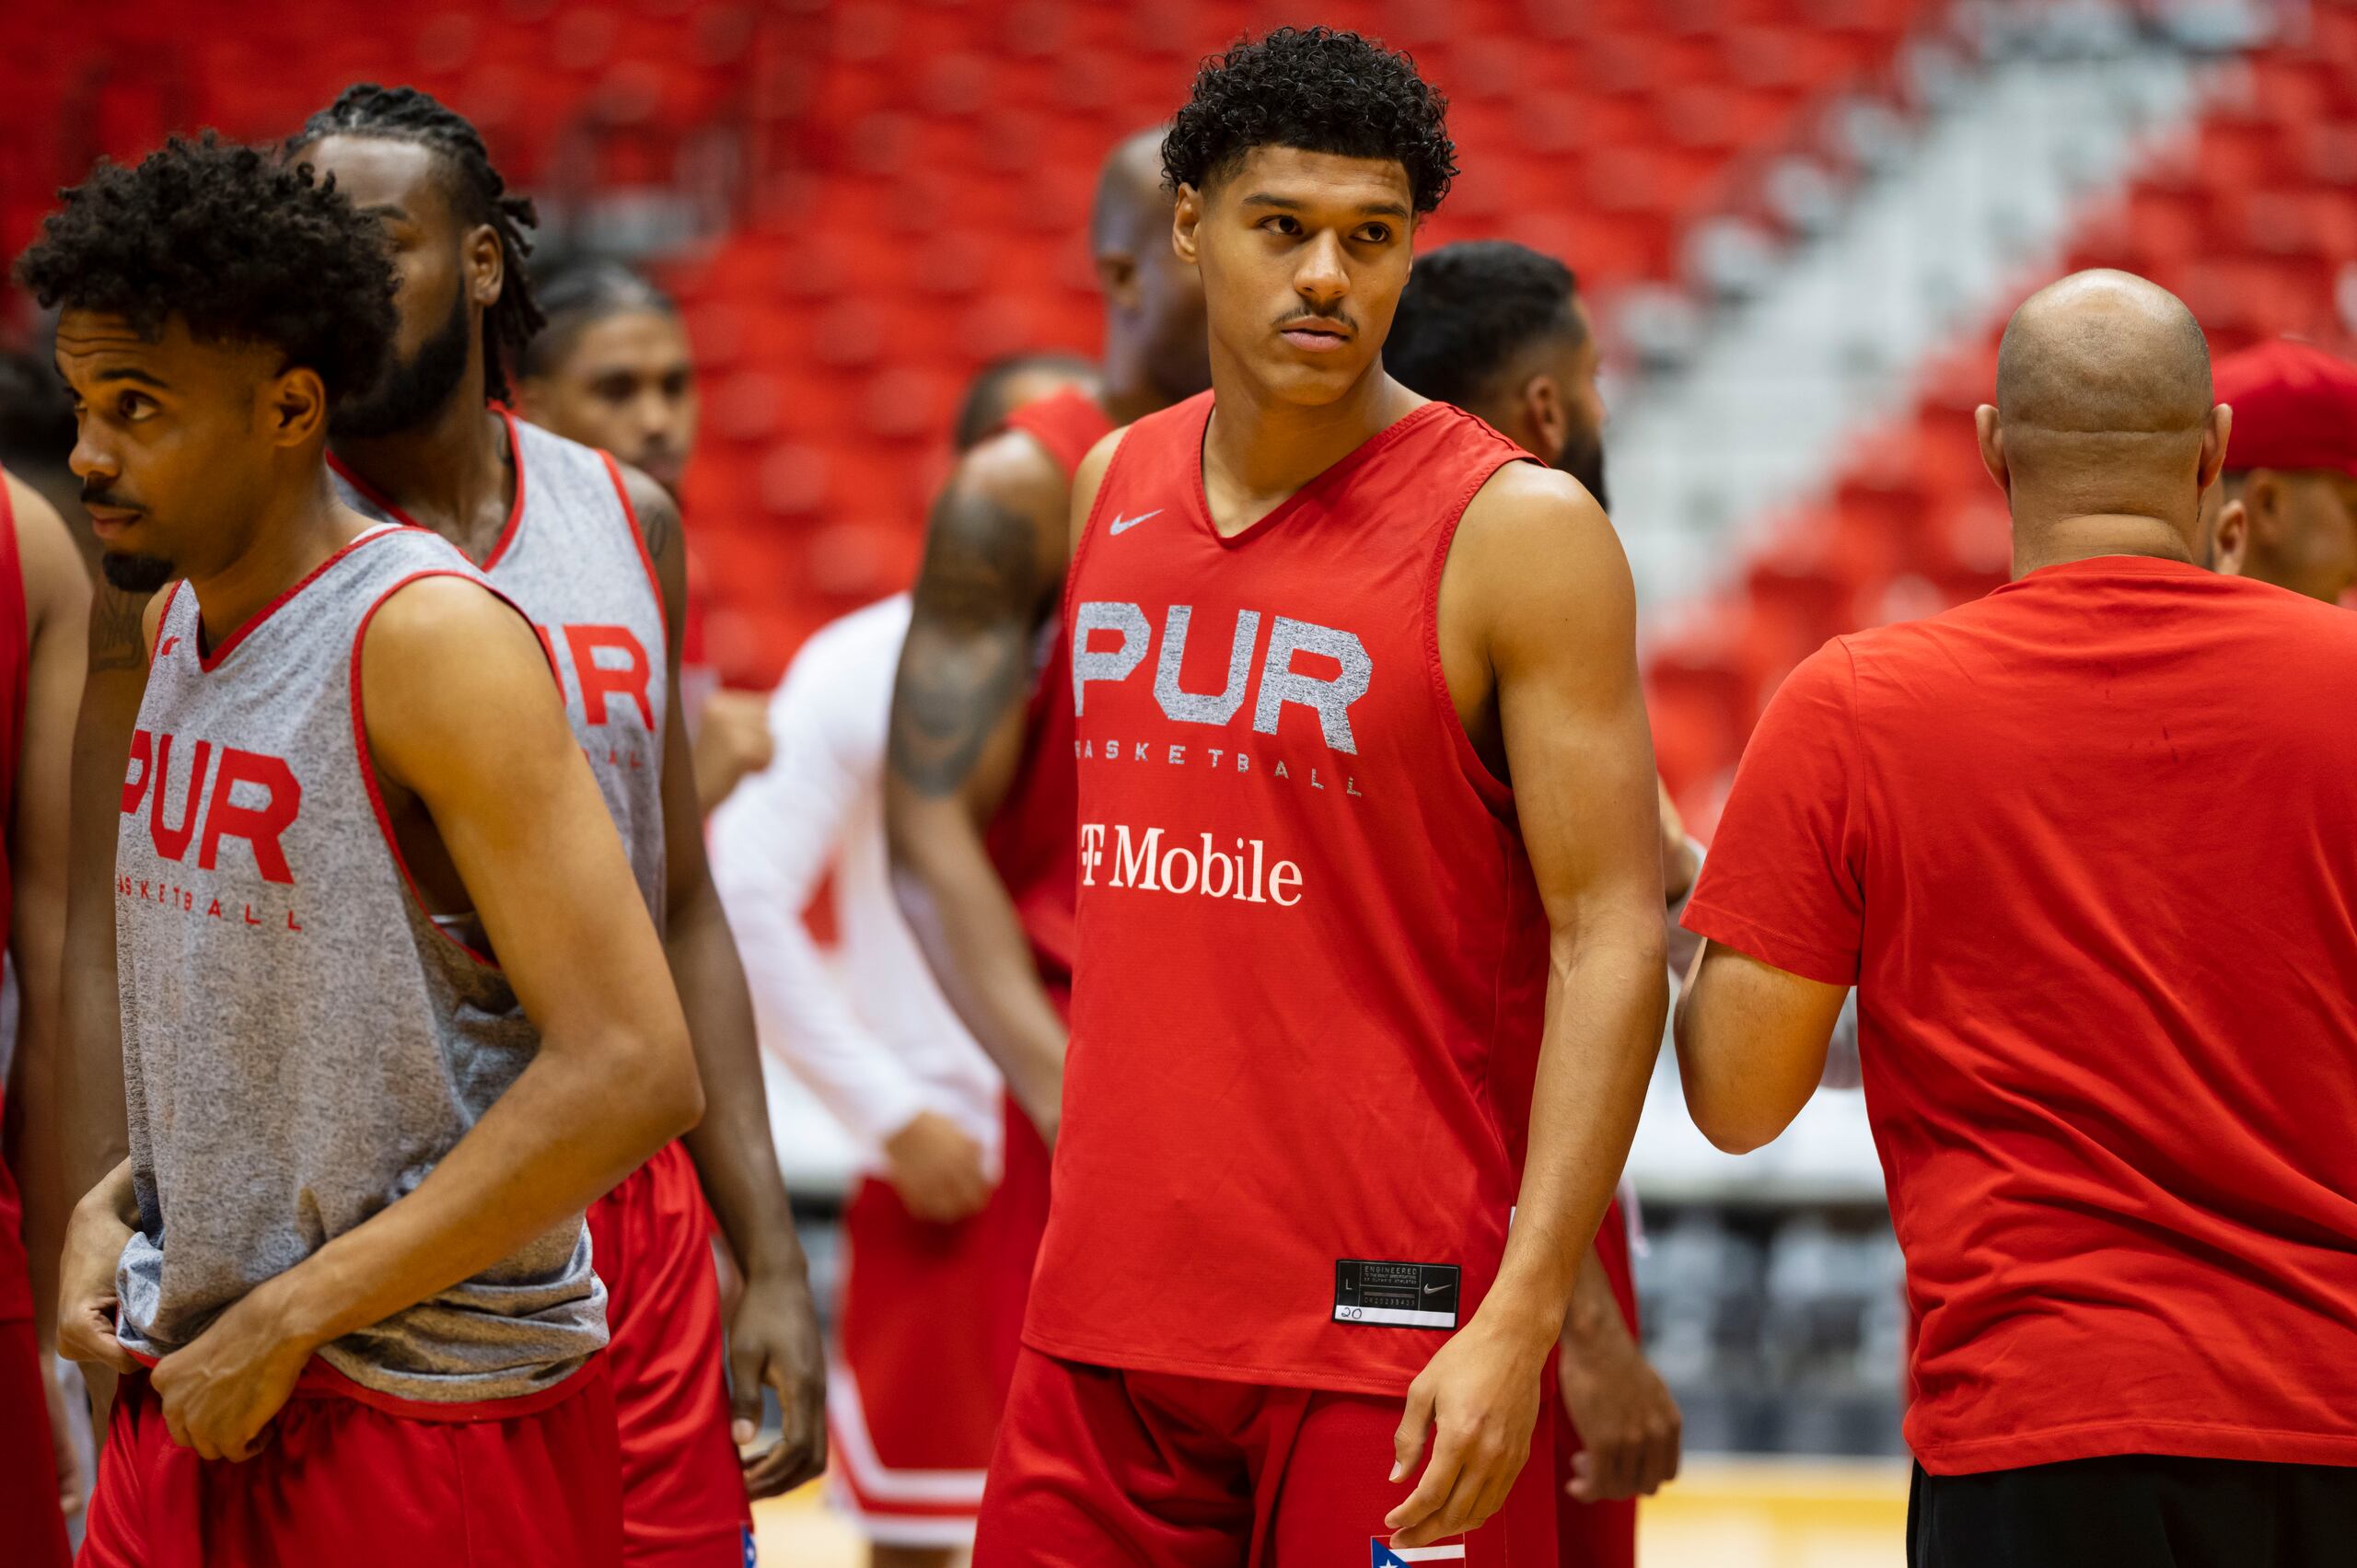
{"x":968,"y":658}
{"x":118,"y":638}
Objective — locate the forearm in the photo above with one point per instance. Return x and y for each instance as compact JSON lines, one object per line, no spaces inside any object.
{"x":974,"y":941}
{"x":35,"y":1132}
{"x":570,"y":1127}
{"x":732,"y":1146}
{"x":1594,"y":1311}
{"x":88,"y":1069}
{"x":1604,"y":1010}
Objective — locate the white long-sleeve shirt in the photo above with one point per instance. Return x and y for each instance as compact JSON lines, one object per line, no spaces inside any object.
{"x":871,"y":1034}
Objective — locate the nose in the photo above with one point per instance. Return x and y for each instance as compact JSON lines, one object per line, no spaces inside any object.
{"x":1320,"y":278}
{"x":88,"y":459}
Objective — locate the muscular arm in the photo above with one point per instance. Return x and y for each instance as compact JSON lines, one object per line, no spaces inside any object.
{"x":1537,"y":612}
{"x":463,"y":720}
{"x":1751,"y":1045}
{"x":774,"y":1338}
{"x":57,"y":605}
{"x":994,"y":564}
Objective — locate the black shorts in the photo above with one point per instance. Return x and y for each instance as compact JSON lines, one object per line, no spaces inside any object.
{"x":2136,"y":1511}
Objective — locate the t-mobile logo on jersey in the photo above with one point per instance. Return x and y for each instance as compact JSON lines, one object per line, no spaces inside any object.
{"x":1140,"y":862}
{"x":1328,"y":696}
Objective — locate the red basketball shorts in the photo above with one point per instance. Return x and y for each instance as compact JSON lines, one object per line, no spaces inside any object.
{"x":31,"y":1526}
{"x":930,"y":1323}
{"x":1596,"y":1534}
{"x":682,"y":1490}
{"x":1098,"y":1467}
{"x":355,"y":1479}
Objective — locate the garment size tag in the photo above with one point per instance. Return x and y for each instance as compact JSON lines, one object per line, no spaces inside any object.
{"x":1398,"y":1295}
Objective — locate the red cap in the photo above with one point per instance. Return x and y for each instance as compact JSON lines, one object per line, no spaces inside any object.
{"x":2296,"y":406}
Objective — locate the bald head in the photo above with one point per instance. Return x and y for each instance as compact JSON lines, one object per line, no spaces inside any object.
{"x":2103,"y":405}
{"x":1131,"y":204}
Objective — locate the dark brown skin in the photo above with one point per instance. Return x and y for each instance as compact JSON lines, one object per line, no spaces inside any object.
{"x":211,"y":457}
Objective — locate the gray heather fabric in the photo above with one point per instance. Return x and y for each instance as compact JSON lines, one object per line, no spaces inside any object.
{"x":301,"y":1043}
{"x":570,"y":559}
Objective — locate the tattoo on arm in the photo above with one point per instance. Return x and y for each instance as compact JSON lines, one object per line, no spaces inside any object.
{"x":968,"y":653}
{"x":117,"y":633}
{"x":658,"y":519}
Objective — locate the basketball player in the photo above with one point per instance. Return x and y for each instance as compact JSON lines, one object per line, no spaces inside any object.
{"x":914,"y":1393}
{"x":612,"y":369}
{"x":44,"y":601}
{"x":1006,"y":385}
{"x":1501,"y":332}
{"x":1369,"y":924}
{"x":2115,"y":1125}
{"x":2286,"y":512}
{"x":593,"y":553}
{"x":978,"y":802}
{"x":343,"y":1268}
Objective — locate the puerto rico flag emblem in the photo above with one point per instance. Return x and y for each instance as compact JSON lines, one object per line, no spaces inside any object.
{"x":1383,"y":1554}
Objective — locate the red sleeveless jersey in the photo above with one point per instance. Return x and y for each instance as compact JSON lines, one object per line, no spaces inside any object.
{"x":1030,"y":840}
{"x":1312,"y":962}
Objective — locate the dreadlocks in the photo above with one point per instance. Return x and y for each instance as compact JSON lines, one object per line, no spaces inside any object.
{"x":482,"y":196}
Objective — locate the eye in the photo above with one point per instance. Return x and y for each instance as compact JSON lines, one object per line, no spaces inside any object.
{"x":1376,"y":234}
{"x":1281,"y":223}
{"x":133,"y":407}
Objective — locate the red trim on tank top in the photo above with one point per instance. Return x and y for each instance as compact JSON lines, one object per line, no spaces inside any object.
{"x":163,"y":615}
{"x":209,"y":662}
{"x":638,"y":537}
{"x":384,"y":504}
{"x":368,"y":762}
{"x":1495,"y":792}
{"x":1340,"y":468}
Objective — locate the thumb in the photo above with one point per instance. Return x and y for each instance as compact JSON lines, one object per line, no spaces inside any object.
{"x":1408,"y":1441}
{"x":744,"y":1394}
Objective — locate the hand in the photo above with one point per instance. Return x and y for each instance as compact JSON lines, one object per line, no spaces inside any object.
{"x":1479,"y":1396}
{"x":937,"y":1169}
{"x":95,"y":1238}
{"x":773,"y":1340}
{"x":220,"y":1390}
{"x":732,"y":739}
{"x":1628,"y":1425}
{"x":70,"y":1496}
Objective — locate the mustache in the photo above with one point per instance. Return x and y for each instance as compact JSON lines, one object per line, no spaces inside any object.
{"x":96,"y":494}
{"x":1338,"y":317}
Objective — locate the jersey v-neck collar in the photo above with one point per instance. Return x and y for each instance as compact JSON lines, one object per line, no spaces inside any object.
{"x":1331,"y":475}
{"x":515,"y":512}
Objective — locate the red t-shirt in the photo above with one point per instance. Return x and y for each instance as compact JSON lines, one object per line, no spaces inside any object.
{"x":2088,"y":850}
{"x":1312,"y":959}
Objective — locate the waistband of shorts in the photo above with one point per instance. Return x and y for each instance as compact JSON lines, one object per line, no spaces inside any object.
{"x":321,"y":1381}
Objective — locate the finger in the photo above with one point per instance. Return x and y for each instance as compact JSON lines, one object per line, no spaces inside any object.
{"x":1661,"y":1461}
{"x":1432,"y":1488}
{"x":1450,"y":1513}
{"x":744,"y":1393}
{"x":803,"y":1444}
{"x":1616,"y":1469}
{"x":1414,"y":1421}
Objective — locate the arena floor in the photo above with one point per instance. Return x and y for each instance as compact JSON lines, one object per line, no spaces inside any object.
{"x":1722,"y":1512}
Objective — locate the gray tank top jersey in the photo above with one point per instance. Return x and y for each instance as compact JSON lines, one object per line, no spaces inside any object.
{"x":301,"y":1041}
{"x":573,"y":559}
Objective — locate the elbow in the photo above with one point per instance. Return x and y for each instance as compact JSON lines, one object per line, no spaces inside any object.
{"x":1731,"y":1135}
{"x":661,"y":1086}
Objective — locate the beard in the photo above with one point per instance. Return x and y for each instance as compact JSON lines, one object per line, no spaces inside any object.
{"x":1583,"y":458}
{"x":136,"y":573}
{"x":410,"y":391}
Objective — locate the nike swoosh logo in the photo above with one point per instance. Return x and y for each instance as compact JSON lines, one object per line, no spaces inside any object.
{"x":1123,"y":525}
{"x":1434,"y":1290}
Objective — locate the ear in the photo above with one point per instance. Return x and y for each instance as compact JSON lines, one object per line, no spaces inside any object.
{"x":1542,"y":404}
{"x":484,"y":261}
{"x":1117,"y":278}
{"x":2214,"y":432}
{"x":293,"y":407}
{"x":1992,"y":446}
{"x":2262,"y":502}
{"x":2230,"y":544}
{"x":1185,"y":218}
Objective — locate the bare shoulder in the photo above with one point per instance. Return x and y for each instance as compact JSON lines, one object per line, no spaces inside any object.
{"x":442,"y":627}
{"x":52,"y":568}
{"x":1089,"y":478}
{"x":995,"y":544}
{"x":1534,"y":550}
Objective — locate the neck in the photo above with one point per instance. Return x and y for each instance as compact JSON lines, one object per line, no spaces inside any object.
{"x":450,"y":473}
{"x":2056,"y":542}
{"x":1260,"y":449}
{"x":294,"y":533}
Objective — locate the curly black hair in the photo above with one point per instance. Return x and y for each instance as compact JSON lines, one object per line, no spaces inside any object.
{"x":1321,"y":91}
{"x":477,"y":191}
{"x":239,"y":247}
{"x":1469,"y":309}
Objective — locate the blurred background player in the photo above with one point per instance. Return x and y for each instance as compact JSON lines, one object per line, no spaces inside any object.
{"x":611,"y":368}
{"x":344,"y":1266}
{"x":2118,"y":1166}
{"x":978,"y":801}
{"x":1313,"y":1074}
{"x":593,"y":552}
{"x":913,"y":1391}
{"x":2286,"y":512}
{"x":36,"y":438}
{"x":1501,"y":332}
{"x":44,"y":601}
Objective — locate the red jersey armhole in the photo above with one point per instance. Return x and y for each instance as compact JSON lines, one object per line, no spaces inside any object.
{"x":638,"y":537}
{"x":1495,"y":792}
{"x":367,"y":764}
{"x":1088,"y":528}
{"x":163,"y":615}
